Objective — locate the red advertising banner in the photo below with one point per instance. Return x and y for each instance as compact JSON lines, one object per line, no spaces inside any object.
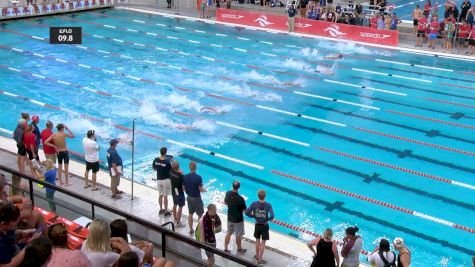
{"x":307,"y":26}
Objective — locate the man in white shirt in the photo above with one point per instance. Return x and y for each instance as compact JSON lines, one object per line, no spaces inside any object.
{"x":91,"y":154}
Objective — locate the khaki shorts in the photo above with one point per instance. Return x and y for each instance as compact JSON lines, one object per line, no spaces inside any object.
{"x":51,"y":157}
{"x":115,"y":181}
{"x":164,"y":187}
{"x":236,"y":228}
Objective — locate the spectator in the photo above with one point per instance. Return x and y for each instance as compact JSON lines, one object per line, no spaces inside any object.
{"x":128,"y":259}
{"x":471,"y":42}
{"x":169,"y":3}
{"x":98,"y":245}
{"x":58,"y":142}
{"x":114,"y":162}
{"x":62,"y":256}
{"x":30,"y":143}
{"x":193,"y":184}
{"x":381,"y":23}
{"x":143,"y":249}
{"x":394,"y":22}
{"x":236,"y":206}
{"x":18,"y":135}
{"x":209,"y":225}
{"x":387,"y":21}
{"x":303,"y":8}
{"x":262,"y":212}
{"x":470,"y":16}
{"x":464,"y":30}
{"x":404,"y":256}
{"x":464,"y":8}
{"x":427,"y":8}
{"x":434,"y":30}
{"x":25,"y":116}
{"x":36,"y":131}
{"x":312,"y":13}
{"x":31,"y":219}
{"x":326,"y":253}
{"x":351,"y":248}
{"x":373,"y":22}
{"x":50,"y":177}
{"x":292,"y":12}
{"x":331,"y":16}
{"x":91,"y":155}
{"x":209,"y":5}
{"x":382,"y":255}
{"x":162,"y":165}
{"x":9,"y":215}
{"x":449,"y":33}
{"x":50,"y":152}
{"x":176,"y":177}
{"x":14,"y":199}
{"x":358,"y":14}
{"x":37,"y":253}
{"x":416,"y":14}
{"x":421,"y":30}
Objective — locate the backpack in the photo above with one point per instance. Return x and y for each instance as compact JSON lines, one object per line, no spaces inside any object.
{"x":386,"y":263}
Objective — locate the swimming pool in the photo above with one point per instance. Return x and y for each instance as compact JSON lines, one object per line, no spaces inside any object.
{"x":385,"y":143}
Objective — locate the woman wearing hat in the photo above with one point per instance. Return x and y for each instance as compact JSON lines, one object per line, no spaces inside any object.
{"x":404,"y":256}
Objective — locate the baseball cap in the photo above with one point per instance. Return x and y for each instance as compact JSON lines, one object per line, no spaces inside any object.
{"x":114,"y":142}
{"x":35,"y":118}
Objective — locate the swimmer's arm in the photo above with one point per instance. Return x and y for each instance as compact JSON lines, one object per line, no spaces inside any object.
{"x":48,"y":142}
{"x":70,"y":134}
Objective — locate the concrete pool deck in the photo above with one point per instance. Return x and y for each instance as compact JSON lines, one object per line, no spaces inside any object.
{"x":282,"y":250}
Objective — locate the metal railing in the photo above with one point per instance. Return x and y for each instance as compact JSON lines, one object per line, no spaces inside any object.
{"x":147,"y":224}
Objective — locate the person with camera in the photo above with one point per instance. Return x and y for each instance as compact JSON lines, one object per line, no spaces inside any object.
{"x":91,"y":154}
{"x":162,"y":166}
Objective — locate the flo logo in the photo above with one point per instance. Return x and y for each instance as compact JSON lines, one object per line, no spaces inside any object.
{"x":334,"y":30}
{"x":263,"y":21}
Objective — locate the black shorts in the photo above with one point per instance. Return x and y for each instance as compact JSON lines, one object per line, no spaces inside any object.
{"x":471,"y":42}
{"x":421,"y":33}
{"x":30,"y":155}
{"x":415,"y":22}
{"x":261,"y":231}
{"x":63,"y":157}
{"x":21,"y":149}
{"x":94,"y":166}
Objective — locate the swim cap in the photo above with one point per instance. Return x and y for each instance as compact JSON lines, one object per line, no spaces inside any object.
{"x":398,"y":242}
{"x":35,"y":119}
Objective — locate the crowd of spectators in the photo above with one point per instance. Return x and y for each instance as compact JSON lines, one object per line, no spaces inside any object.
{"x":455,"y":30}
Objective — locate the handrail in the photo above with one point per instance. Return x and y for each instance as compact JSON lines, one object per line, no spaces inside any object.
{"x":128,"y":216}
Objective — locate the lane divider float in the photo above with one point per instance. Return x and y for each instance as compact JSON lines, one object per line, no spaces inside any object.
{"x":419,"y":117}
{"x":394,"y":167}
{"x":415,"y":141}
{"x":391,"y":75}
{"x":375,"y":201}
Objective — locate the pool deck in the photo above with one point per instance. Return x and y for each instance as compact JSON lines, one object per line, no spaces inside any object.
{"x":282,"y":250}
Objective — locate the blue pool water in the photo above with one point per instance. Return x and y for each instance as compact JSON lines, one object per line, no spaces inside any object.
{"x":392,"y":141}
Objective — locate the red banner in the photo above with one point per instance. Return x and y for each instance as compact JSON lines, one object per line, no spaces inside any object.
{"x":307,"y":26}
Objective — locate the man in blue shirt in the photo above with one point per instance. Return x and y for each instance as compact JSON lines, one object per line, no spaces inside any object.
{"x":193,"y":184}
{"x":9,"y":214}
{"x":262,"y":212}
{"x":115,"y":168}
{"x":292,"y":11}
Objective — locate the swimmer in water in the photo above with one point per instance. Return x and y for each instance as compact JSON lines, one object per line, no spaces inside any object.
{"x":325,"y":70}
{"x":212,"y":110}
{"x":334,"y":56}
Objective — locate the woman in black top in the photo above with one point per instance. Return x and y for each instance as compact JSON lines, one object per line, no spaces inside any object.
{"x":326,"y":254}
